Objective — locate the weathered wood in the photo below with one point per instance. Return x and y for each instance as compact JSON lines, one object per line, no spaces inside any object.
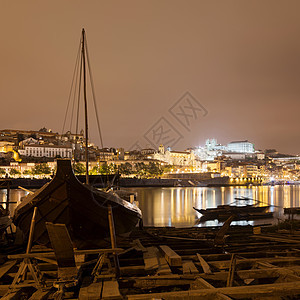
{"x":62,"y":244}
{"x":31,"y":231}
{"x":284,"y":274}
{"x":113,"y":239}
{"x":91,"y":292}
{"x":52,"y":255}
{"x":251,"y":261}
{"x":200,"y":283}
{"x":151,"y":282}
{"x":111,"y":290}
{"x":151,"y":258}
{"x":277,"y":239}
{"x":188,"y":267}
{"x":183,"y":238}
{"x":4,"y":288}
{"x":137,"y":245}
{"x":231,"y":271}
{"x":163,"y":266}
{"x":238,"y":292}
{"x":173,"y":259}
{"x":12,"y":295}
{"x":6,"y":267}
{"x":204,"y":264}
{"x":40,"y":295}
{"x":134,"y":270}
{"x":20,"y":277}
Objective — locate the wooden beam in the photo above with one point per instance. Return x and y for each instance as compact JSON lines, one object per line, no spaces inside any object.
{"x":276,"y":239}
{"x":251,"y":261}
{"x":111,"y":290}
{"x":151,"y":258}
{"x":151,"y":282}
{"x":40,"y":294}
{"x":231,"y":270}
{"x":188,"y":267}
{"x":137,"y":245}
{"x":204,"y":264}
{"x":91,"y":292}
{"x":237,"y":292}
{"x":173,"y":259}
{"x":200,"y":283}
{"x":163,"y":266}
{"x":250,"y":274}
{"x":6,"y":267}
{"x":52,"y":255}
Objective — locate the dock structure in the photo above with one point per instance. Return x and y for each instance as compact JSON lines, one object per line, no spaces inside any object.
{"x":169,"y":263}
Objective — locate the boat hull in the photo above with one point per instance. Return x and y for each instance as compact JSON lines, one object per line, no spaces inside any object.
{"x":83,"y":209}
{"x":241,"y":212}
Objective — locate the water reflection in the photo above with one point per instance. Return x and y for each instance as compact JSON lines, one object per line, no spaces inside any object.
{"x":174,"y":206}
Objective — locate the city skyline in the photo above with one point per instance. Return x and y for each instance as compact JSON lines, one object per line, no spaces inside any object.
{"x":238,"y":62}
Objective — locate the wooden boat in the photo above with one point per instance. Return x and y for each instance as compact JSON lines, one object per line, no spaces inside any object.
{"x":292,"y":210}
{"x":224,"y":211}
{"x":82,"y":208}
{"x":65,"y":200}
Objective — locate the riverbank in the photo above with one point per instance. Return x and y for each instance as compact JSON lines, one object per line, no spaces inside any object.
{"x":106,"y":180}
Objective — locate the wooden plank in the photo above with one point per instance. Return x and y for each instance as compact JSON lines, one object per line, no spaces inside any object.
{"x":40,"y":295}
{"x":251,"y":274}
{"x":163,"y":266}
{"x":6,"y":267}
{"x":204,"y":264}
{"x":137,"y":245}
{"x":200,"y":283}
{"x":62,"y":244}
{"x":251,"y":261}
{"x":284,"y":274}
{"x":188,"y":267}
{"x":151,"y":258}
{"x":18,"y":293}
{"x":231,"y":271}
{"x":12,"y":295}
{"x":4,"y":288}
{"x":91,"y":292}
{"x":238,"y":292}
{"x":151,"y":282}
{"x":173,"y":259}
{"x":52,"y":255}
{"x":111,"y":290}
{"x":276,"y":239}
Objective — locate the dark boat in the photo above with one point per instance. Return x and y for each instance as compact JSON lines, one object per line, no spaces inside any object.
{"x":292,"y":210}
{"x":82,"y":208}
{"x":66,"y":200}
{"x":242,"y":212}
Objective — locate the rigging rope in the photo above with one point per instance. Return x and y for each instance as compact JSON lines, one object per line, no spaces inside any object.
{"x":71,"y":89}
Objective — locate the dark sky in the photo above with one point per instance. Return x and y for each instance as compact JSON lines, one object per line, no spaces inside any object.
{"x":239,"y":62}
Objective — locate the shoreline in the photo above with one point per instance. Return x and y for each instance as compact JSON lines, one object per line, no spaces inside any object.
{"x":124,"y":182}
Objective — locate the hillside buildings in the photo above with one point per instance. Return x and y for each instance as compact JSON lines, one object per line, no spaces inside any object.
{"x":239,"y":160}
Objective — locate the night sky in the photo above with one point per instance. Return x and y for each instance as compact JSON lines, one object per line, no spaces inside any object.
{"x":176,"y":72}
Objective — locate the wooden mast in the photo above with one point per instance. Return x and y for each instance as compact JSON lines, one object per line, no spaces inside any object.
{"x":85,"y":108}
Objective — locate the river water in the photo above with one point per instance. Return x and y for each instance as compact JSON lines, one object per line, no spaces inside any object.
{"x":174,"y":206}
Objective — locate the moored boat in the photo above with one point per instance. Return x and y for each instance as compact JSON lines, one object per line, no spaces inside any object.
{"x":82,"y":208}
{"x":242,"y":212}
